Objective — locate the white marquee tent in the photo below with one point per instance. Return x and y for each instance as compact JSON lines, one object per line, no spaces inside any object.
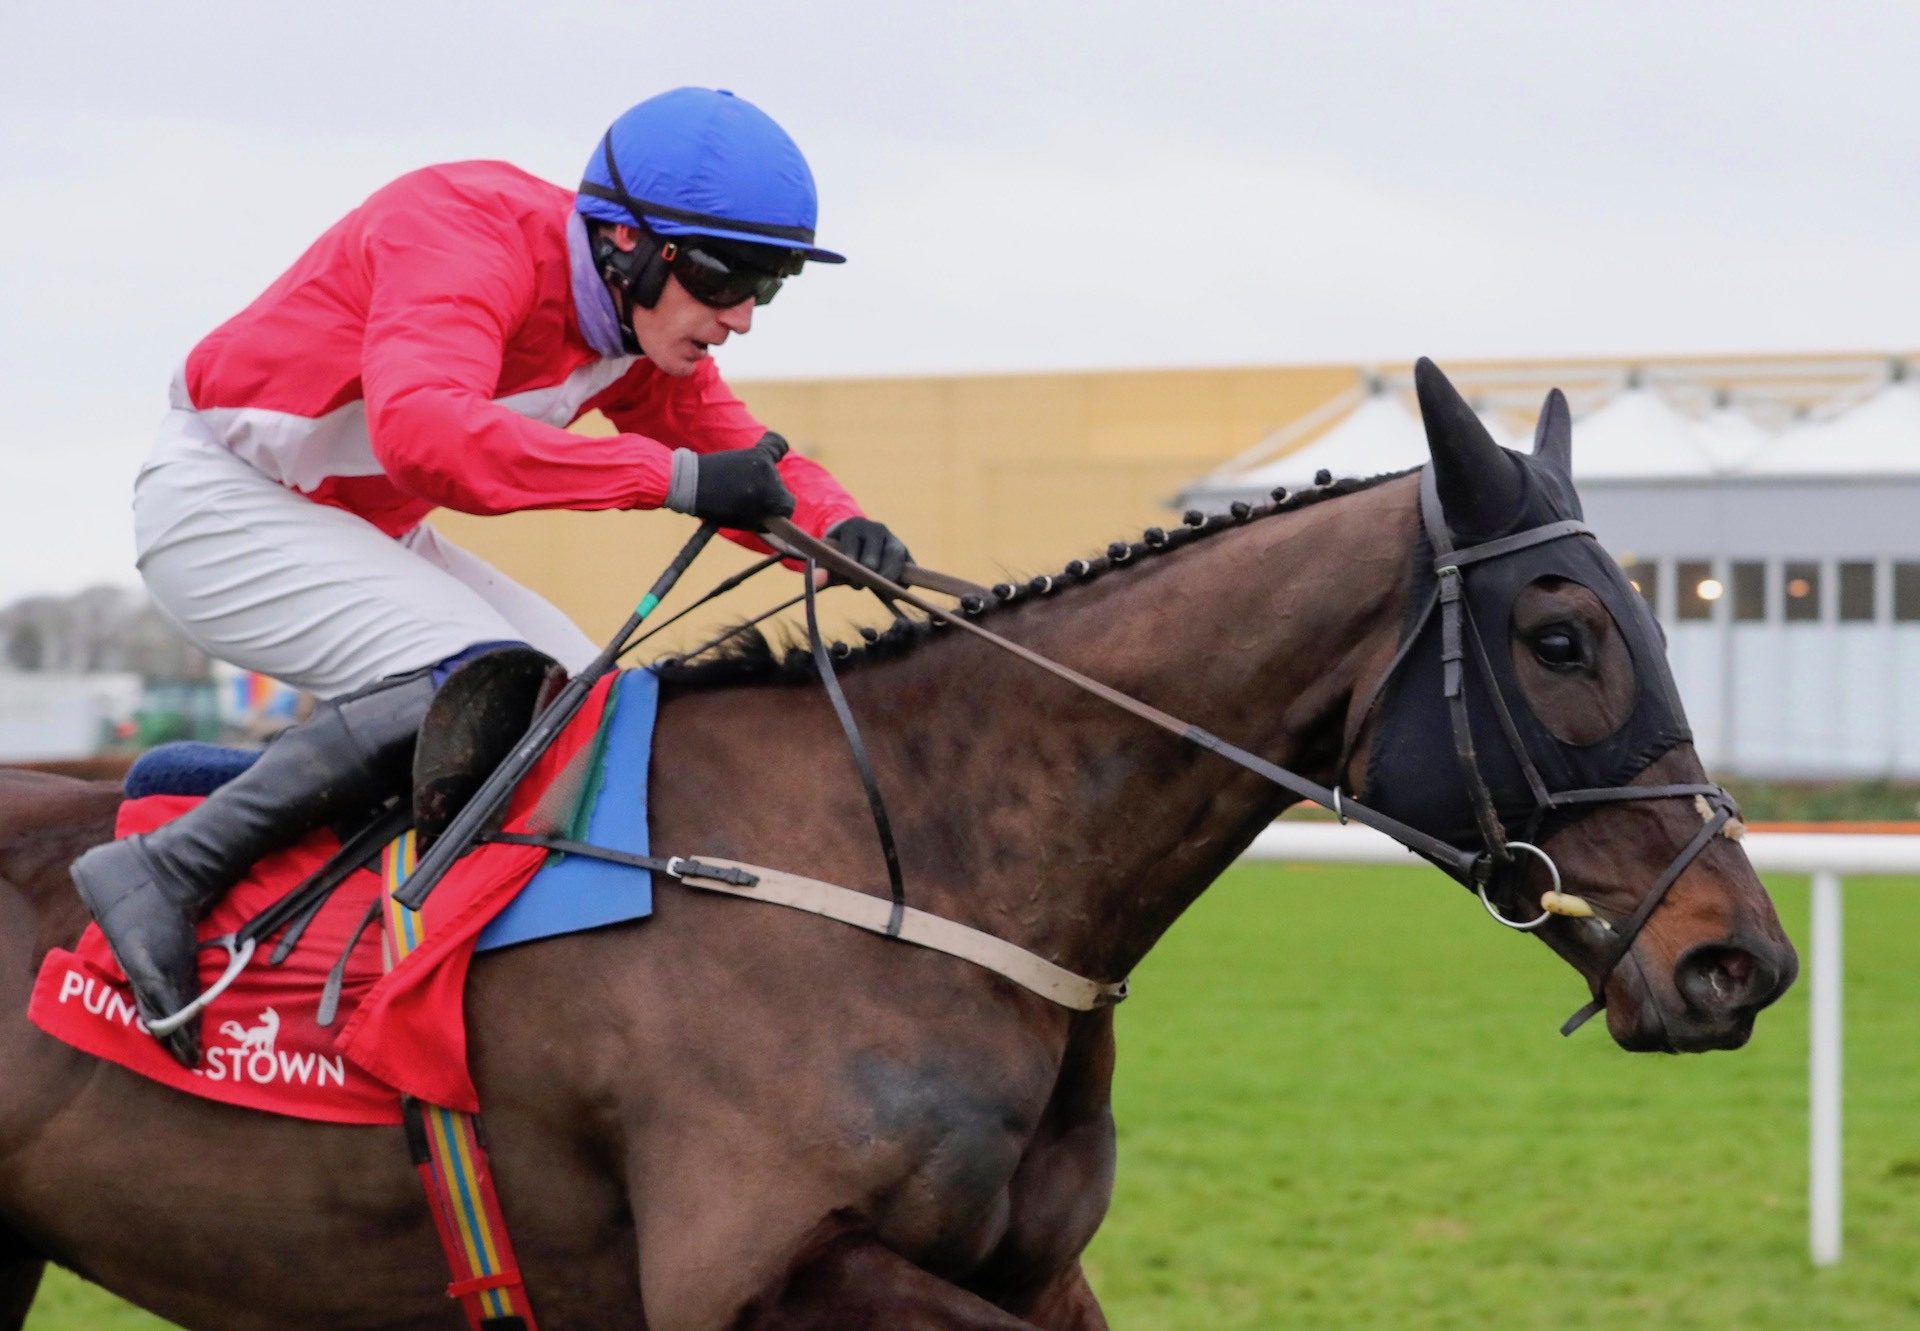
{"x":1880,"y":437}
{"x":1380,"y":435}
{"x":1637,"y":436}
{"x":1730,"y":438}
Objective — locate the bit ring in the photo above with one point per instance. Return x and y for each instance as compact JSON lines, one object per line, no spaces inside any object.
{"x":1545,"y":915}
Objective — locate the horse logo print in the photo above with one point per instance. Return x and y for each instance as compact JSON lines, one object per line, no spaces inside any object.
{"x":253,"y":1055}
{"x":257,"y":1039}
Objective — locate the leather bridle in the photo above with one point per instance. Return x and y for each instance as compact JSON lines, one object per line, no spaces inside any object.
{"x":1461,"y":649}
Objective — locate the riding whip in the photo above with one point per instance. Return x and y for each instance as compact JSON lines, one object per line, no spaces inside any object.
{"x":493,"y":794}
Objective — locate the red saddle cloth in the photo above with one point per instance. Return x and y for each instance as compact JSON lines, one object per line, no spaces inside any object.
{"x":398,"y":1031}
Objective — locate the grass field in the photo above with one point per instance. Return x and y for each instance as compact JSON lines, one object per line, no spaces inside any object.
{"x":1342,"y":1104}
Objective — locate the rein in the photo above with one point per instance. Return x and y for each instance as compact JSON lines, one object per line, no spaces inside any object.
{"x":1450,"y":857}
{"x":1475,"y":869}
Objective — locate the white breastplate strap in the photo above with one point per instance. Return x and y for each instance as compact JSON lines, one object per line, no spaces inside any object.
{"x":917,"y":927}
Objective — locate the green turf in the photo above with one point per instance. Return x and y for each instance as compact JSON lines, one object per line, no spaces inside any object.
{"x":1342,"y":1103}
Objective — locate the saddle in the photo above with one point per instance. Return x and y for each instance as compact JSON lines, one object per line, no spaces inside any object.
{"x":349,"y":1036}
{"x":475,"y":719}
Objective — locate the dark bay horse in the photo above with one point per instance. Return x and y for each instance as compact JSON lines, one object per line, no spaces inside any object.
{"x":742,"y":1117}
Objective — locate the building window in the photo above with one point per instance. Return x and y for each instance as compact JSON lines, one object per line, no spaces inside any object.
{"x":1750,"y":592}
{"x":1801,"y":583}
{"x":1696,"y":589}
{"x":1643,"y":575}
{"x":1906,"y":593}
{"x":1856,"y":592}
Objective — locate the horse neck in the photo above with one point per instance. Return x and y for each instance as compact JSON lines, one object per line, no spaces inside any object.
{"x":1037,"y":812}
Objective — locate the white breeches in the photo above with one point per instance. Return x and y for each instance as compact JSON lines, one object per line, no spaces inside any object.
{"x":264,"y":578}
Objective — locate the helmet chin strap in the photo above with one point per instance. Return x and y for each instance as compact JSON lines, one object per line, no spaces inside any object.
{"x":623,"y":311}
{"x":635,"y":277}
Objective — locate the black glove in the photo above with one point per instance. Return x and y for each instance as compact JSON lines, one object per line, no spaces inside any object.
{"x":741,"y":487}
{"x":872,"y":546}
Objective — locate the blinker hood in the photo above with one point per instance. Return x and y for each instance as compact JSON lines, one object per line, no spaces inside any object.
{"x":1414,"y":766}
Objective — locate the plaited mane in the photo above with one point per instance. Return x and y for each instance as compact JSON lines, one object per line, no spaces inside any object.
{"x":751,"y":659}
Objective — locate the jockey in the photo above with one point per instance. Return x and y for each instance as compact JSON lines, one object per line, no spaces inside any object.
{"x":428,"y":351}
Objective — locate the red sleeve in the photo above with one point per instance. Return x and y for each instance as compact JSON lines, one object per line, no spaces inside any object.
{"x":700,"y":412}
{"x":821,"y":501}
{"x":447,"y":290}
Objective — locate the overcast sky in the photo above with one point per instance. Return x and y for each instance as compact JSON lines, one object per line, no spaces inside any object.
{"x":1022,"y":186}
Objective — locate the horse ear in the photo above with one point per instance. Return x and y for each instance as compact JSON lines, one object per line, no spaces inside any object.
{"x":1553,"y":436}
{"x":1476,"y":478}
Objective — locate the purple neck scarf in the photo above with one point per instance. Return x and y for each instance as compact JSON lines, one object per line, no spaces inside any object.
{"x":592,"y":302}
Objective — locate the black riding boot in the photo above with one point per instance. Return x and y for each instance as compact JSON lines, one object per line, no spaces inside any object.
{"x":148,"y":891}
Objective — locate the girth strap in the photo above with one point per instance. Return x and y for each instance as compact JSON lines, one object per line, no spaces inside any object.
{"x":451,"y":1162}
{"x":449,"y":1154}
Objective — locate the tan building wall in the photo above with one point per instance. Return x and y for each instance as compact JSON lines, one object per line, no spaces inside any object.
{"x":982,"y":476}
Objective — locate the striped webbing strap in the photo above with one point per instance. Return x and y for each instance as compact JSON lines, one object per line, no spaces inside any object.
{"x":451,"y":1160}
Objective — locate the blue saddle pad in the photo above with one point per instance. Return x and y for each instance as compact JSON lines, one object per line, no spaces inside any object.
{"x":571,"y":892}
{"x":186,"y":767}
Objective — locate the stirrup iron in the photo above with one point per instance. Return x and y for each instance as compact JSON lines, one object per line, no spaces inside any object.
{"x":237,"y":958}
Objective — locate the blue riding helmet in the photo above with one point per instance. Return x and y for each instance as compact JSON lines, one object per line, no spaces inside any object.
{"x":696,"y":161}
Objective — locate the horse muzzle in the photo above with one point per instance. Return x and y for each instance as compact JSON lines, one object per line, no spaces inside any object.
{"x":1717,"y":989}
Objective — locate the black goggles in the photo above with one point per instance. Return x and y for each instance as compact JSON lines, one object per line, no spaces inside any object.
{"x":722,"y":275}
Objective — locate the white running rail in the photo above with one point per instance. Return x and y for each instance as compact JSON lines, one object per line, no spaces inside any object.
{"x":1827,"y":856}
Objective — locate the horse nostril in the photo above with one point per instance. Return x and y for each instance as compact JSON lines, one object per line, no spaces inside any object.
{"x":1722,"y":978}
{"x":1734,"y":968}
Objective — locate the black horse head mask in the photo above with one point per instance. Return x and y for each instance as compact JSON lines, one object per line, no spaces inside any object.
{"x":1494,"y":523}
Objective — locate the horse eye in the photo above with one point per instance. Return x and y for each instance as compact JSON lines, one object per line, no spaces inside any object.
{"x":1557,"y":647}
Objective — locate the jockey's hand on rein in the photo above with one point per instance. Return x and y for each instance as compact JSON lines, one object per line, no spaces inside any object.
{"x":871,"y":545}
{"x":737,"y":487}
